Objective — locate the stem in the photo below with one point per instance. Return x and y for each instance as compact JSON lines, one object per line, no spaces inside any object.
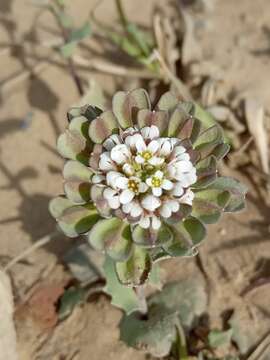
{"x":121,"y":13}
{"x":70,"y":62}
{"x":142,"y":300}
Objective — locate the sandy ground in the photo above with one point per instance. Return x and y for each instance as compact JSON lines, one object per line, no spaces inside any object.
{"x":32,"y":114}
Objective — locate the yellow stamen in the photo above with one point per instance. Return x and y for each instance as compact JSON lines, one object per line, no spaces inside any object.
{"x":146,"y":155}
{"x":156,"y":182}
{"x":133,"y":185}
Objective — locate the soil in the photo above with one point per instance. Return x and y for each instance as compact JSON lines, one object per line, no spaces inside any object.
{"x":235,"y":37}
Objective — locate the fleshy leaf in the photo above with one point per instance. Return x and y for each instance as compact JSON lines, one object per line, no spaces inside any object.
{"x":58,"y":205}
{"x":102,"y":127}
{"x":187,"y":235}
{"x":212,"y":135}
{"x":168,"y":101}
{"x":204,"y":116}
{"x":88,"y":111}
{"x":177,"y":120}
{"x":147,"y":238}
{"x":157,"y":118}
{"x":186,"y":297}
{"x":206,"y":172}
{"x":123,"y":297}
{"x":80,"y":124}
{"x":220,"y":151}
{"x":73,"y":170}
{"x":100,"y":202}
{"x":77,"y":184}
{"x":154,"y":335}
{"x":126,"y":105}
{"x":72,"y":145}
{"x":135,"y":271}
{"x":237,"y":190}
{"x":114,"y":236}
{"x":209,"y":203}
{"x":77,"y":220}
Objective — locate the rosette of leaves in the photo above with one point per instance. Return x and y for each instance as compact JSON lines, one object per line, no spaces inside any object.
{"x":142,"y":184}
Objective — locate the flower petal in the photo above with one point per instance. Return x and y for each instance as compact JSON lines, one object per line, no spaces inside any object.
{"x":136,"y":210}
{"x":111,"y":178}
{"x":143,"y":187}
{"x":153,"y":146}
{"x":121,"y":182}
{"x":150,"y":202}
{"x":126,"y":196}
{"x":139,"y":159}
{"x":165,"y":211}
{"x":167,"y":184}
{"x":156,"y":223}
{"x":97,"y":178}
{"x":112,"y":197}
{"x":112,"y":141}
{"x":156,"y":161}
{"x":159,"y":174}
{"x":120,"y":153}
{"x":187,"y":198}
{"x":145,"y":222}
{"x":150,"y":132}
{"x":140,"y":145}
{"x":128,"y":169}
{"x":106,"y":163}
{"x":178,"y":189}
{"x":157,"y":191}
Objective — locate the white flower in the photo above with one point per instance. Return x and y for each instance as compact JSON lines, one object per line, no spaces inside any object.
{"x":150,"y":202}
{"x":145,"y":178}
{"x":168,"y":207}
{"x":150,"y":221}
{"x":158,"y":182}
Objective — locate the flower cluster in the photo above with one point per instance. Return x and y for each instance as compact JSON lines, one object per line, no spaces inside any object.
{"x":145,"y":177}
{"x":142,"y":183}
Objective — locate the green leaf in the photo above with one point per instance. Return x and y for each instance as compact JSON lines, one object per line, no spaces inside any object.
{"x":79,"y":34}
{"x":154,"y":335}
{"x":102,"y":127}
{"x":147,"y":238}
{"x":68,"y":49}
{"x":122,"y":297}
{"x":127,"y":104}
{"x":167,"y":102}
{"x":212,"y":135}
{"x":78,"y":219}
{"x":58,"y":205}
{"x":187,"y":235}
{"x":209,"y":203}
{"x":72,"y":145}
{"x":77,"y":181}
{"x":114,"y":236}
{"x":204,"y":116}
{"x":218,"y":338}
{"x":206,"y":172}
{"x":154,"y":277}
{"x":140,"y":37}
{"x":71,"y":297}
{"x":186,"y":297}
{"x":237,"y":190}
{"x":135,"y":271}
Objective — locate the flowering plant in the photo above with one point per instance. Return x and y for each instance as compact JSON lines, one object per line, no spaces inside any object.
{"x":142,"y":183}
